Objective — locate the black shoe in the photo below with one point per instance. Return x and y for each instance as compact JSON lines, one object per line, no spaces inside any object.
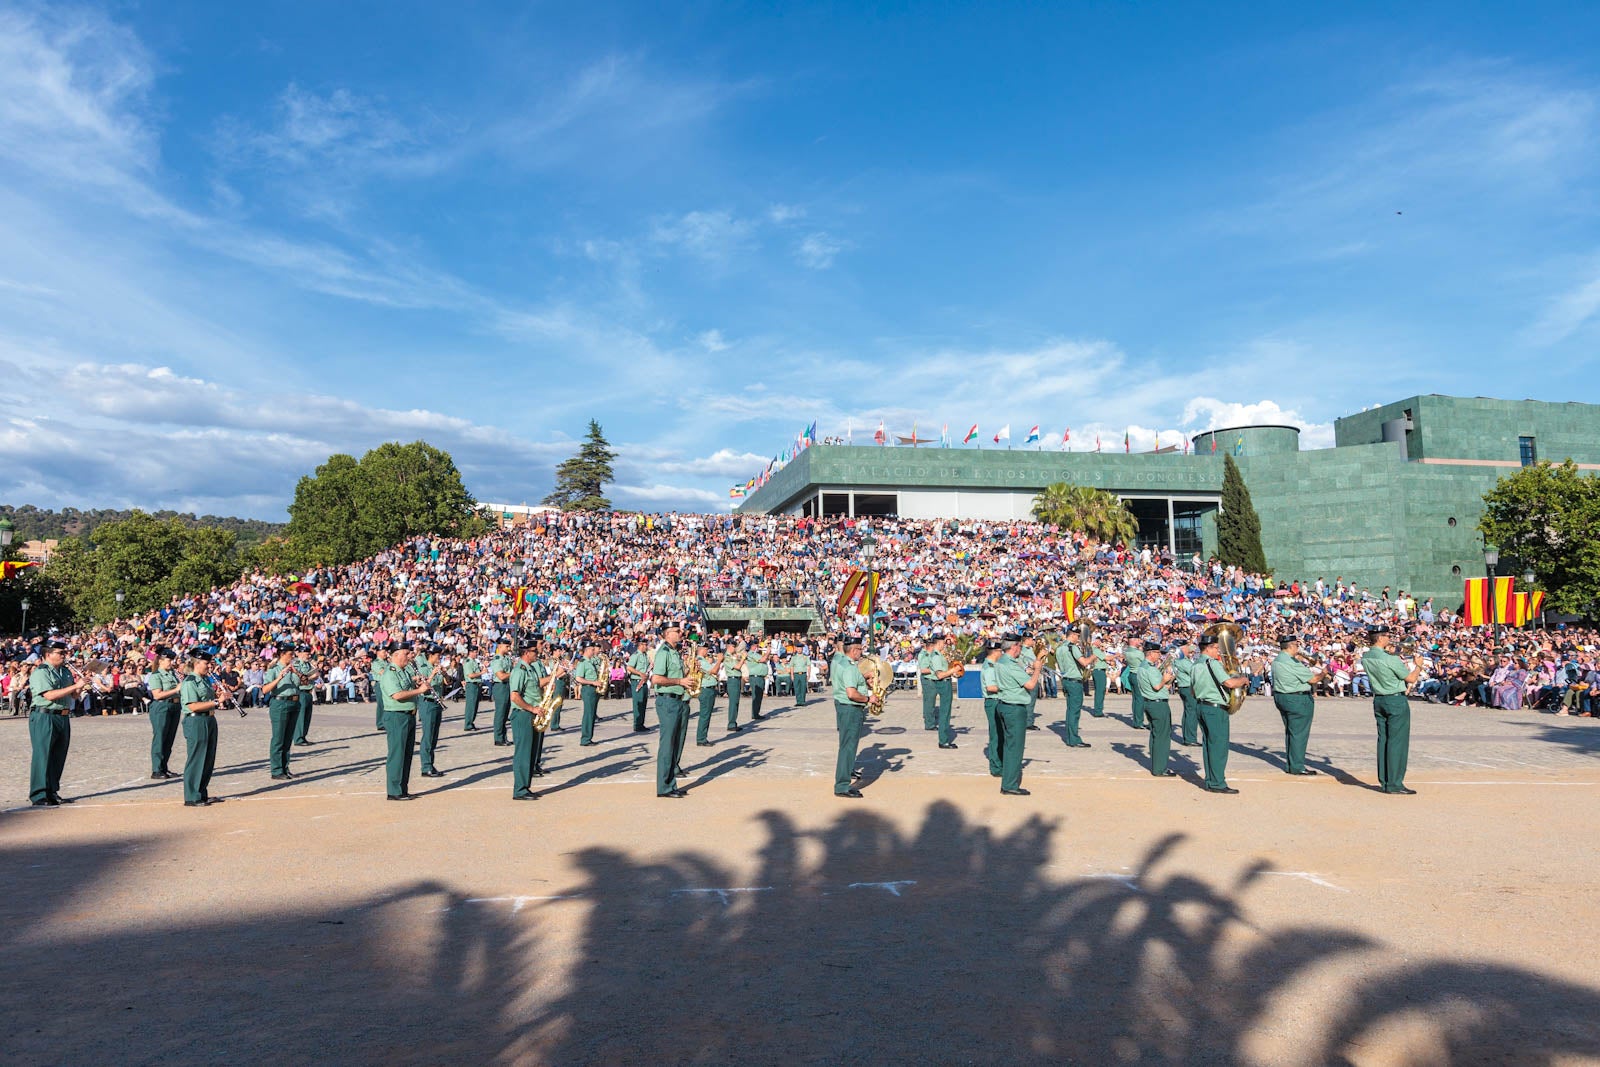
{"x":302,"y":742}
{"x":469,"y":729}
{"x":158,"y":776}
{"x":1080,"y":744}
{"x":433,"y":774}
{"x":517,"y":796}
{"x":1306,"y":771}
{"x":1015,"y":793}
{"x":280,"y":777}
{"x":194,"y":803}
{"x":704,"y":744}
{"x":43,"y":804}
{"x":857,"y":775}
{"x":1224,"y":789}
{"x":854,"y":794}
{"x":537,"y":773}
{"x":676,"y":794}
{"x":641,"y":729}
{"x":1033,"y":727}
{"x":403,"y":796}
{"x":948,"y":744}
{"x":208,"y":801}
{"x":587,"y":744}
{"x":170,"y":774}
{"x":61,"y":800}
{"x":1167,"y":774}
{"x":502,"y":744}
{"x":735,"y":728}
{"x":930,"y":727}
{"x":1402,"y":791}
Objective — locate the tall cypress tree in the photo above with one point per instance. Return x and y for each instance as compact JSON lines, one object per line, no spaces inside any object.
{"x":581,"y":480}
{"x":1238,"y":526}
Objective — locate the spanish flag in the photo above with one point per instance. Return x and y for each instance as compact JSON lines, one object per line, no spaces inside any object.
{"x":1519,"y":609}
{"x":519,"y":599}
{"x":9,"y":567}
{"x":860,"y":593}
{"x":1505,"y":601}
{"x":1071,"y":601}
{"x":1535,"y":605}
{"x":1475,"y":610}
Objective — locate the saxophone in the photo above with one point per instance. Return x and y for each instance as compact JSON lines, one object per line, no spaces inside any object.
{"x":550,"y":703}
{"x":693,"y":677}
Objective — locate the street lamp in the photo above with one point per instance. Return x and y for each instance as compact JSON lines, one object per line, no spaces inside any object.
{"x":120,"y":595}
{"x":25,"y":607}
{"x":1491,"y":560}
{"x":8,"y":532}
{"x":868,"y":549}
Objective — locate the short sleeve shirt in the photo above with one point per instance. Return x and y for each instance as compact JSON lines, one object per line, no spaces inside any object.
{"x":1386,"y":671}
{"x":755,"y":667}
{"x":275,"y":672}
{"x":1183,"y":670}
{"x":991,"y":681}
{"x":392,"y":681}
{"x":45,"y":679}
{"x":667,"y":663}
{"x":162,"y":680}
{"x":1289,"y":675}
{"x":498,"y":664}
{"x":1013,"y":678}
{"x":196,"y":690}
{"x":525,"y":683}
{"x":1208,"y":676}
{"x":1150,"y":687}
{"x":847,"y":676}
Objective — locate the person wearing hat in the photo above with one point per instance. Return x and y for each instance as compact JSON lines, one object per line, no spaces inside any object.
{"x":1183,"y":682}
{"x":942,"y":673}
{"x":500,"y":689}
{"x":558,"y":677}
{"x":850,"y":697}
{"x":471,"y":690}
{"x":590,"y":686}
{"x":733,"y":661}
{"x":200,"y":699}
{"x":1017,"y":684}
{"x":1132,"y":659}
{"x":1102,"y":666}
{"x":1390,"y":676}
{"x":925,"y":682}
{"x":756,"y":668}
{"x":638,"y":668}
{"x":989,"y":678}
{"x":1153,"y":686}
{"x":400,"y":694}
{"x":799,"y":667}
{"x":306,"y":672}
{"x":709,"y":665}
{"x":53,"y":690}
{"x":380,"y":667}
{"x":164,"y":684}
{"x":672,"y":714}
{"x":281,"y":685}
{"x":1073,"y":663}
{"x":1211,"y":685}
{"x":1291,"y":695}
{"x":429,"y":673}
{"x":526,"y":690}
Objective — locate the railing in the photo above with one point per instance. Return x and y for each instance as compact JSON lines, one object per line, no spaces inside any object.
{"x":757,"y":597}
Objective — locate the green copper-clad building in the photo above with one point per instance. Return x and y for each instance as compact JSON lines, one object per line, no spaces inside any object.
{"x":1394,"y":502}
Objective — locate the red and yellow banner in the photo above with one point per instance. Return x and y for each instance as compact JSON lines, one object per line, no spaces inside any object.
{"x":1535,"y":605}
{"x":519,"y":599}
{"x":1071,"y":601}
{"x":1485,"y":607}
{"x":10,"y":567}
{"x":860,"y":593}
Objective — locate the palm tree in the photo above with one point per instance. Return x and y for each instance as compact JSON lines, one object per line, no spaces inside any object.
{"x":1101,"y":515}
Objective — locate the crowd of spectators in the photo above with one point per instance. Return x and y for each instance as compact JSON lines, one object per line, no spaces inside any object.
{"x":617,"y":578}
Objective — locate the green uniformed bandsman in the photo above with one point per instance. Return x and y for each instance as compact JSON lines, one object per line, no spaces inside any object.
{"x":799,"y":667}
{"x":281,"y":687}
{"x":500,"y":689}
{"x":1017,"y":684}
{"x":1183,"y":681}
{"x":941,"y":675}
{"x":472,"y":690}
{"x":306,"y":672}
{"x":850,"y":697}
{"x":733,"y":661}
{"x":400,"y":693}
{"x":672,"y":714}
{"x":930,"y":692}
{"x":200,"y":697}
{"x":590,"y":686}
{"x":526,"y":690}
{"x":546,"y":678}
{"x":990,"y":681}
{"x":1292,"y":682}
{"x":1028,"y":657}
{"x":53,"y":689}
{"x":638,"y":668}
{"x":1102,"y":668}
{"x":1153,"y":685}
{"x":1132,"y":657}
{"x":1390,"y":676}
{"x":1211,"y":684}
{"x":1073,"y":664}
{"x":164,"y":684}
{"x":756,"y":669}
{"x":709,"y":665}
{"x":429,"y":673}
{"x":380,"y":667}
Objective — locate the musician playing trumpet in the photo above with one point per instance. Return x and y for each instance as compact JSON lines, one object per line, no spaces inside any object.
{"x":1293,"y":682}
{"x":200,"y":697}
{"x":281,"y":687}
{"x":1153,"y":681}
{"x":1017,"y":684}
{"x":54,"y":688}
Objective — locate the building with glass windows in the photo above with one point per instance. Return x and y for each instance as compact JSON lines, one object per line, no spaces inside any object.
{"x":1394,"y":502}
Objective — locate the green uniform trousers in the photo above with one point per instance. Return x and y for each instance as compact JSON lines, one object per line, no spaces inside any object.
{"x":500,"y":694}
{"x":1214,"y":744}
{"x":522,"y":740}
{"x":474,"y":694}
{"x":1191,"y":716}
{"x":164,"y":716}
{"x":284,"y":715}
{"x":430,"y":716}
{"x":1394,"y":739}
{"x":798,"y":684}
{"x":1296,"y":710}
{"x":303,"y":725}
{"x":401,"y":726}
{"x":640,"y":692}
{"x":758,"y":693}
{"x":708,"y":708}
{"x":591,"y":708}
{"x":50,"y":735}
{"x":993,"y":751}
{"x":944,"y":694}
{"x":200,"y":737}
{"x":930,"y":704}
{"x":1158,"y":715}
{"x":850,"y":719}
{"x":1072,"y":689}
{"x":377,"y":699}
{"x":672,"y":716}
{"x":1132,"y":687}
{"x":735,"y":691}
{"x":1099,"y":709}
{"x":1011,"y":722}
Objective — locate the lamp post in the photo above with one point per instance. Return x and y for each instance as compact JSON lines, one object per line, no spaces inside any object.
{"x":868,"y":549}
{"x":120,"y":595}
{"x":1491,"y":560}
{"x":25,"y":606}
{"x":8,"y":532}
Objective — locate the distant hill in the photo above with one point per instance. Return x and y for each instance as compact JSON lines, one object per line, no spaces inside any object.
{"x":42,"y":524}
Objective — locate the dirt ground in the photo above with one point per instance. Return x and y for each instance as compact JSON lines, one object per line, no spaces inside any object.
{"x":1109,"y":918}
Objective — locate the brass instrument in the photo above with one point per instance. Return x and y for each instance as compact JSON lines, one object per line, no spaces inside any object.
{"x":1228,"y":636}
{"x":549,"y":703}
{"x":879,"y":674}
{"x":694,"y":676}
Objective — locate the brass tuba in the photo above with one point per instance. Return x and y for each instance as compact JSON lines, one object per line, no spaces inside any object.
{"x":879,"y":674}
{"x":1228,"y":635}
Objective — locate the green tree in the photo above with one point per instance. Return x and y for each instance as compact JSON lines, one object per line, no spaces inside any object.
{"x":581,"y":480}
{"x":325,"y":518}
{"x":1238,"y":525}
{"x":1544,"y":518}
{"x":47,"y":604}
{"x":1081,"y":508}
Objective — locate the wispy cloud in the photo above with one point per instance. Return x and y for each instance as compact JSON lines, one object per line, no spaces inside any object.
{"x":1568,"y":312}
{"x":817,"y":251}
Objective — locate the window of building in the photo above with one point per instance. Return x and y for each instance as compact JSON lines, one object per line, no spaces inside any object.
{"x":1529,"y":450}
{"x":1188,"y":519}
{"x":835,"y":504}
{"x":877,"y":504}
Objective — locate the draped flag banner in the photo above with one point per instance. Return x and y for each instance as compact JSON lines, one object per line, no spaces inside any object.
{"x":1519,"y":609}
{"x":1535,"y":605}
{"x":859,"y":594}
{"x":519,"y":599}
{"x":1072,"y":600}
{"x":1483,"y":606}
{"x":1504,"y":600}
{"x":10,"y":567}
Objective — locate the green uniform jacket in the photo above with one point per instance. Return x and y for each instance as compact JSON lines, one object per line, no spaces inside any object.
{"x":1386,"y":671}
{"x":1208,"y":676}
{"x":990,"y":677}
{"x":1148,"y":677}
{"x":1289,"y":675}
{"x":392,"y":681}
{"x":847,"y":676}
{"x":43,"y":680}
{"x":525,"y":679}
{"x":1183,"y":671}
{"x":196,"y":690}
{"x":287,"y":692}
{"x":1013,"y":679}
{"x":667,"y":663}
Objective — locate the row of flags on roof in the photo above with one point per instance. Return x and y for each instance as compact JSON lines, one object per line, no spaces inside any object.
{"x":806,"y":438}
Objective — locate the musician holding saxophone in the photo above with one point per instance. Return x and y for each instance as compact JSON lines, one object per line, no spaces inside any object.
{"x":429,"y":672}
{"x":1153,"y":681}
{"x":1212,"y":685}
{"x":54,"y":688}
{"x":527,"y":690}
{"x":281,"y":686}
{"x":851,"y":694}
{"x":1292,"y":682}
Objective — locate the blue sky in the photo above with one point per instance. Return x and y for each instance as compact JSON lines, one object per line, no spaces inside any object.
{"x":236,"y":238}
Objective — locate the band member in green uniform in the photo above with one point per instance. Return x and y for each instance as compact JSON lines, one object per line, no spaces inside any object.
{"x":709,"y":665}
{"x":1073,"y":663}
{"x":500,"y":689}
{"x":799,"y":666}
{"x":941,"y":674}
{"x":590,"y":686}
{"x":526,"y":691}
{"x":850,"y":697}
{"x":990,"y":679}
{"x":638,"y":668}
{"x":1102,"y":665}
{"x":52,"y":690}
{"x":471,"y":690}
{"x":306,"y":671}
{"x":281,"y":686}
{"x":756,"y":669}
{"x":666,"y":677}
{"x":1183,"y":681}
{"x":930,"y":692}
{"x":733,"y":661}
{"x":1153,"y":684}
{"x":400,"y":693}
{"x":380,"y":667}
{"x":430,"y":707}
{"x":544,"y":677}
{"x":1027,"y":657}
{"x":1292,"y":682}
{"x":1211,"y":683}
{"x":1132,"y":657}
{"x":1390,"y":676}
{"x":200,"y":697}
{"x":1017,"y":684}
{"x":164,"y":684}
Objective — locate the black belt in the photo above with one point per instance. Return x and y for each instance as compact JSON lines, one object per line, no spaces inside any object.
{"x":52,"y":711}
{"x":1208,"y":704}
{"x":199,"y":713}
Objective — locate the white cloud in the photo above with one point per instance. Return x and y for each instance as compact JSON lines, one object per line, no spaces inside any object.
{"x":1568,"y":313}
{"x":712,"y":341}
{"x":713,"y":236}
{"x":817,"y":251}
{"x":673,"y":497}
{"x":1208,"y":413}
{"x":782,"y":213}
